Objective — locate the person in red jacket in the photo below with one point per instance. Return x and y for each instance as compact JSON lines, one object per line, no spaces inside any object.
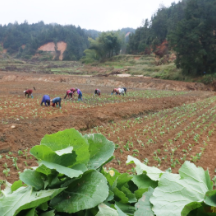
{"x":73,"y":90}
{"x":69,"y":93}
{"x":28,"y":92}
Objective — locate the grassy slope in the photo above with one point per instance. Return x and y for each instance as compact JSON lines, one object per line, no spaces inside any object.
{"x":132,"y":64}
{"x":145,"y":65}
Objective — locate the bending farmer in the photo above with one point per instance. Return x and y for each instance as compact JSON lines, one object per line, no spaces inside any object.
{"x":69,"y":93}
{"x":97,"y":92}
{"x":46,"y":100}
{"x":28,"y":92}
{"x":73,"y":90}
{"x":56,"y":101}
{"x":118,"y":91}
{"x":79,"y":94}
{"x":125,"y":90}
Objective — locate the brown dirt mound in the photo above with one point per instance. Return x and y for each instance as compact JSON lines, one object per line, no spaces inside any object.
{"x":50,"y":47}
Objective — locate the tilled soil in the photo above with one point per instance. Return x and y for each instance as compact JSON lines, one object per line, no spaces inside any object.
{"x":28,"y":131}
{"x":166,"y":139}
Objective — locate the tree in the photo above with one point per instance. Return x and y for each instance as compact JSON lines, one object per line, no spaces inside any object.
{"x":106,"y":45}
{"x":195,"y":38}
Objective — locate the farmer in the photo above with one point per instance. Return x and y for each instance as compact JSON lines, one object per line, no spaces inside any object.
{"x":115,"y":90}
{"x":118,"y":91}
{"x":79,"y":94}
{"x":56,"y":101}
{"x":121,"y":91}
{"x":125,"y":90}
{"x":69,"y":93}
{"x":46,"y":100}
{"x":28,"y":92}
{"x":97,"y":92}
{"x":73,"y":90}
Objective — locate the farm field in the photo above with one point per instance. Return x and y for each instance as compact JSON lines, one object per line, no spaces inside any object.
{"x":162,"y":128}
{"x":166,"y":139}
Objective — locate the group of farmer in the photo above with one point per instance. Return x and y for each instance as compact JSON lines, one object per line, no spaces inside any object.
{"x":69,"y":93}
{"x":46,"y":99}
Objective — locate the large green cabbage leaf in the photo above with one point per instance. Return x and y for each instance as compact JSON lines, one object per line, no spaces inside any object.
{"x":178,"y":196}
{"x":105,"y":210}
{"x":32,"y":178}
{"x":64,"y":139}
{"x":45,"y":153}
{"x":144,"y":205}
{"x":152,"y":172}
{"x":25,"y":198}
{"x":100,"y":149}
{"x":84,"y":193}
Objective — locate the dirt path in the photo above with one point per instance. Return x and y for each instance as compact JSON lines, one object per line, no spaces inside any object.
{"x":112,"y":81}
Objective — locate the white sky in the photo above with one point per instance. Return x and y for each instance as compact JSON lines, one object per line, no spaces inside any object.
{"x":101,"y":15}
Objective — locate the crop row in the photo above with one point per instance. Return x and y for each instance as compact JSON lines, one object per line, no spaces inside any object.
{"x":21,"y":108}
{"x":12,"y":163}
{"x":167,"y":138}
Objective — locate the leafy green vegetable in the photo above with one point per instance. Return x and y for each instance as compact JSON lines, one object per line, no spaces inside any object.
{"x":144,"y":182}
{"x":64,"y":139}
{"x":67,"y":150}
{"x":32,"y":178}
{"x":61,"y":169}
{"x":70,"y":179}
{"x":25,"y":198}
{"x":87,"y":192}
{"x":105,"y":210}
{"x":152,"y":172}
{"x":45,"y":153}
{"x":178,"y":196}
{"x":30,"y":212}
{"x":210,"y":198}
{"x":100,"y":150}
{"x":144,"y":205}
{"x":49,"y":213}
{"x":16,"y":185}
{"x":120,"y":212}
{"x":126,"y":208}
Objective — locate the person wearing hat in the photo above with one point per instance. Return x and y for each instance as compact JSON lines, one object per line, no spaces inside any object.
{"x":28,"y":92}
{"x":46,"y":100}
{"x":79,"y":94}
{"x":56,"y":101}
{"x":97,"y":92}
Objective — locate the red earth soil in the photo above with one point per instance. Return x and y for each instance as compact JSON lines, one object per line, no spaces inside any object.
{"x":28,"y":132}
{"x":50,"y":47}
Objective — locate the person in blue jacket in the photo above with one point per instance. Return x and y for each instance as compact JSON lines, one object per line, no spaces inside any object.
{"x":46,"y":100}
{"x":56,"y":101}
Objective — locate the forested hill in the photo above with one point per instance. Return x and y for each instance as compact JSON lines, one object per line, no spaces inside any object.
{"x":156,"y":30}
{"x":94,"y":33}
{"x":189,"y":26}
{"x":23,"y":40}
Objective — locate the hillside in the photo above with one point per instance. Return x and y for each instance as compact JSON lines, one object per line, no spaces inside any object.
{"x":47,"y":41}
